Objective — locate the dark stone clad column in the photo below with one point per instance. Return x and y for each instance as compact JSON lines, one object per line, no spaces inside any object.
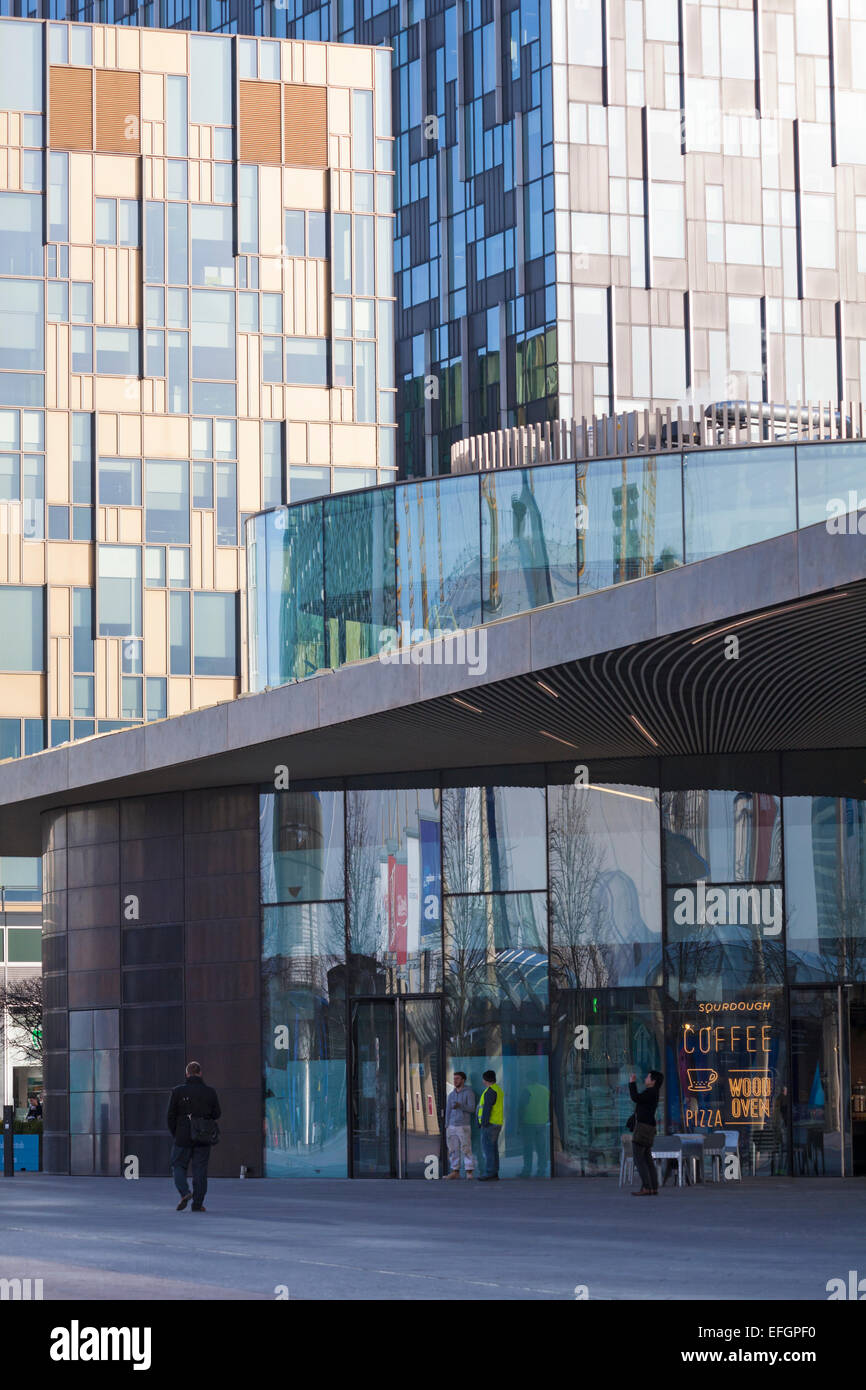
{"x":158,"y":898}
{"x":55,"y":1019}
{"x":151,"y":908}
{"x":223,"y":965}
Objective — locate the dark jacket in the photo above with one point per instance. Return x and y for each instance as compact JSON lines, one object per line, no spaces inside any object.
{"x":645,"y":1103}
{"x":192,"y":1097}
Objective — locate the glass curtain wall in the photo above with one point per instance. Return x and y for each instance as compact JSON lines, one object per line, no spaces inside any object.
{"x":496,"y":959}
{"x":303,"y":984}
{"x":571,"y":933}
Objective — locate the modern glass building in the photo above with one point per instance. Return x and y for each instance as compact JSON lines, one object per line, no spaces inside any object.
{"x":333,"y":946}
{"x":602,"y":204}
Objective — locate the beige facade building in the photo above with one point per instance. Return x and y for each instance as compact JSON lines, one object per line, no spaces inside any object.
{"x":196,"y":322}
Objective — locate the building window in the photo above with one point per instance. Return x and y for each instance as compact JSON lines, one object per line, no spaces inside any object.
{"x":213,"y":335}
{"x":20,"y":234}
{"x":21,"y":325}
{"x":307,"y":361}
{"x":215,"y":634}
{"x":22,"y":624}
{"x":120,"y":482}
{"x":155,"y":696}
{"x":306,"y":234}
{"x":211,"y":240}
{"x":167,"y":501}
{"x":210,"y":80}
{"x":116,"y":222}
{"x":119,"y":590}
{"x":117,"y":351}
{"x":227,"y":504}
{"x":248,"y":210}
{"x":179,"y":634}
{"x":21,"y":65}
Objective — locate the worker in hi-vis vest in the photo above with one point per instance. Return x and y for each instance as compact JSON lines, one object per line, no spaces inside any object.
{"x":491,"y":1117}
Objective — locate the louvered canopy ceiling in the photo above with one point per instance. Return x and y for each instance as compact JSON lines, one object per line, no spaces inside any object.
{"x":798,"y":682}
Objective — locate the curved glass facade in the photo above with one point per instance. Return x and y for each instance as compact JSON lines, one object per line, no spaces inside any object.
{"x":365,"y":938}
{"x":361,"y":574}
{"x":565,"y":935}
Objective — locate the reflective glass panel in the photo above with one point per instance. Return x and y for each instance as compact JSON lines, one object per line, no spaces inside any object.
{"x":721,"y":836}
{"x":494,"y":839}
{"x":831,"y":481}
{"x":825,"y":888}
{"x":360,"y":575}
{"x":439,"y":554}
{"x":528,"y":539}
{"x":301,"y":840}
{"x":286,"y":585}
{"x":304,"y":1035}
{"x":393,"y":885}
{"x":629,"y":519}
{"x":605,"y":887}
{"x":737,"y":497}
{"x":496,"y":1014}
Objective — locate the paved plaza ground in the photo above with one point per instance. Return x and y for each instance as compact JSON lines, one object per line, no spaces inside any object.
{"x":106,"y":1238}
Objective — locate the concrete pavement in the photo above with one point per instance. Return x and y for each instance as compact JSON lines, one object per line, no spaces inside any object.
{"x":106,"y":1238}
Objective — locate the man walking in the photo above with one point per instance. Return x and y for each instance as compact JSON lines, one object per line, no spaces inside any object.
{"x":193,"y":1110}
{"x":491,"y":1117}
{"x":459,"y":1108}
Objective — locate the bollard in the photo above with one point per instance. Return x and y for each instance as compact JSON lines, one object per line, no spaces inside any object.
{"x":8,"y":1141}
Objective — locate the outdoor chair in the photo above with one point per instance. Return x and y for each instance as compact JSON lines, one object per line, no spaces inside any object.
{"x":626,"y":1162}
{"x":714,"y":1150}
{"x":668,"y":1148}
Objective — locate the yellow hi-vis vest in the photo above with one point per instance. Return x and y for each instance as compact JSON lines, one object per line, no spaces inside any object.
{"x":497,"y":1114}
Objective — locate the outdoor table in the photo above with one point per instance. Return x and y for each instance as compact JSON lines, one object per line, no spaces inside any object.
{"x":692,"y":1142}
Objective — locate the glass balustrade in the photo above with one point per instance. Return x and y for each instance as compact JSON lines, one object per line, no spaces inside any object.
{"x":343,"y":578}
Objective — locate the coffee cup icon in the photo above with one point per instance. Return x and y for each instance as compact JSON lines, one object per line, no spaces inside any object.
{"x":703,"y":1079}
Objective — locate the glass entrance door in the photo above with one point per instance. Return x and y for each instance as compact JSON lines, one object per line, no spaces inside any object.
{"x":821,"y":1082}
{"x":421,"y":1089}
{"x":397,"y":1107}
